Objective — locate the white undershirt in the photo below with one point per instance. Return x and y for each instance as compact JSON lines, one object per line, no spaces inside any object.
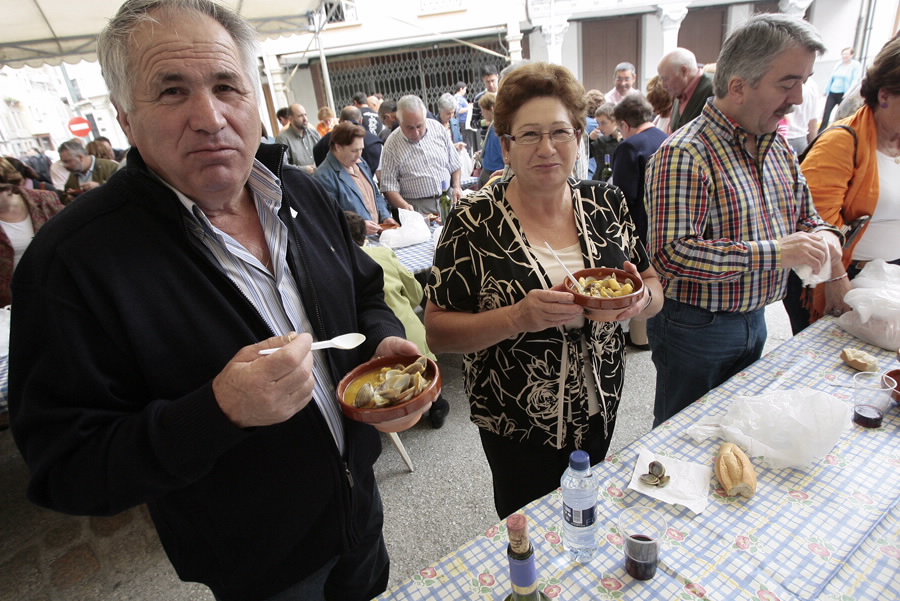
{"x":20,"y":235}
{"x":881,"y":239}
{"x":573,"y":259}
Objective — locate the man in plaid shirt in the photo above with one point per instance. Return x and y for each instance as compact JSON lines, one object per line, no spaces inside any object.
{"x":730,"y":213}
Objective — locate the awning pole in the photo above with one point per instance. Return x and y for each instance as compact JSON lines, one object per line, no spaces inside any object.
{"x":326,"y":80}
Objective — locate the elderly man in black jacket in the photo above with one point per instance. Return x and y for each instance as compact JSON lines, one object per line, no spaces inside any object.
{"x":140,"y":316}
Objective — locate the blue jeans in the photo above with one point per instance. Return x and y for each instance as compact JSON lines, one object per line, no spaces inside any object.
{"x":695,"y":350}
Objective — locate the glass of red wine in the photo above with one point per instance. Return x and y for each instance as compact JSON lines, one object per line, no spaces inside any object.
{"x":872,"y":397}
{"x":642,"y":528}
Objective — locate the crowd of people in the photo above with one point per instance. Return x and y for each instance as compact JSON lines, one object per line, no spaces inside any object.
{"x":139,"y":316}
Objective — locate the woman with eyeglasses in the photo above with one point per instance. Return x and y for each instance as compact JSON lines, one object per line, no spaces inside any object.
{"x":543,"y":376}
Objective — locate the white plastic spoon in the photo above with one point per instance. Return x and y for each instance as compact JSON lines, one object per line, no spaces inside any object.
{"x":556,"y":256}
{"x":343,"y":342}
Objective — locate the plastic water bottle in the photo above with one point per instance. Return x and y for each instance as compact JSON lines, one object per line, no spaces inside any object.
{"x":580,"y":486}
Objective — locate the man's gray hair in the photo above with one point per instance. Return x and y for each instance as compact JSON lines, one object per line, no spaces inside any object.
{"x":411,"y":104}
{"x":446,"y":102}
{"x":114,"y":41}
{"x":749,"y":50}
{"x":682,"y":57}
{"x":625,"y":67}
{"x":75,"y":147}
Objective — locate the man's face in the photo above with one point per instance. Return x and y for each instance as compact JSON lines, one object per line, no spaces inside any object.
{"x":761,"y":108}
{"x":194,"y":118}
{"x":491,"y":82}
{"x":413,"y":125}
{"x":299,"y":118}
{"x":73,"y":162}
{"x":675,"y":79}
{"x":624,"y":81}
{"x":846,"y":55}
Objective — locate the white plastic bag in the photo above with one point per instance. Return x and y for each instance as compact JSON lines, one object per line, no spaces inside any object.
{"x":787,"y":428}
{"x":412,"y":230}
{"x":466,"y":163}
{"x":875,"y":300}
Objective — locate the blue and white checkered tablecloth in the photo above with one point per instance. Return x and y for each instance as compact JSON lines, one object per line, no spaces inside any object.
{"x":416,"y":257}
{"x":830,"y":532}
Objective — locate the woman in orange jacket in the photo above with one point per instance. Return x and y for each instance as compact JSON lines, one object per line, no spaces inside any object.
{"x":854,"y":173}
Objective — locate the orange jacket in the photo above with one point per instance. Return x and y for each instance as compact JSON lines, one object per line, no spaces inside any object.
{"x":842,"y":191}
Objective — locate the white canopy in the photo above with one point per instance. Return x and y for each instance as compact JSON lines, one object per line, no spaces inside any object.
{"x":40,"y":32}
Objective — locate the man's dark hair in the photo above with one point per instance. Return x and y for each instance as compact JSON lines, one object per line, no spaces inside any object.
{"x":489,"y":70}
{"x":357,"y":227}
{"x":360,"y":98}
{"x":633,"y":110}
{"x":283,"y":113}
{"x":387,"y":107}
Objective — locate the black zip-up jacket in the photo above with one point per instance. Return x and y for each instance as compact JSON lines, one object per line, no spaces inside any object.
{"x":122,"y":322}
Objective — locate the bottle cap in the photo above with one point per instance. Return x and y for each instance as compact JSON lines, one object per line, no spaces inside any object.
{"x":579,"y":460}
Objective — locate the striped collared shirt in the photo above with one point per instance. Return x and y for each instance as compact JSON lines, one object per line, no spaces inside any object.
{"x":276,"y":297}
{"x":716,"y":212}
{"x":417,"y":169}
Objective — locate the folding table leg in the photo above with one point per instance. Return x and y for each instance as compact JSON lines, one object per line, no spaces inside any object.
{"x":396,"y":440}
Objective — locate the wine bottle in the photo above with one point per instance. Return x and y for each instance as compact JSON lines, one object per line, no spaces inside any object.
{"x":445,"y":203}
{"x":522,"y":571}
{"x":606,"y":173}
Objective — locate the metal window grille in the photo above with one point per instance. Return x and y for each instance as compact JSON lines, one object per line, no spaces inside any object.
{"x":340,"y":11}
{"x":426,"y":72}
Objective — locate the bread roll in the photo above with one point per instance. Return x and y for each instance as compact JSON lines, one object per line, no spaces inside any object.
{"x":859,"y":360}
{"x":735,"y":472}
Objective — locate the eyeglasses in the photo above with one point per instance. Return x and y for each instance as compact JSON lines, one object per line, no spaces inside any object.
{"x":557,"y":136}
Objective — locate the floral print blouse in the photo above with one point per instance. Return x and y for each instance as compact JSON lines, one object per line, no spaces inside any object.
{"x":531,"y":387}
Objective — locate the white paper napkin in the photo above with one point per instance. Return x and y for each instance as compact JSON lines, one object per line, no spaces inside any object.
{"x":809,"y":279}
{"x":689,"y":484}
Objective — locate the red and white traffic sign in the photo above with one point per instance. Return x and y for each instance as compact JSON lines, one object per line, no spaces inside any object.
{"x":80,"y":126}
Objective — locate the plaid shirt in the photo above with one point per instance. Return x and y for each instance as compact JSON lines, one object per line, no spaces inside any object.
{"x":715,"y":214}
{"x":417,"y":169}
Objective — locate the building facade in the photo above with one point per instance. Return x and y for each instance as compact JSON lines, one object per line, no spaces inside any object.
{"x":424,"y":46}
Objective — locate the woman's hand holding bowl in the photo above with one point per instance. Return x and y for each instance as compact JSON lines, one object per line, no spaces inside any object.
{"x":542,"y":309}
{"x":623,"y":314}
